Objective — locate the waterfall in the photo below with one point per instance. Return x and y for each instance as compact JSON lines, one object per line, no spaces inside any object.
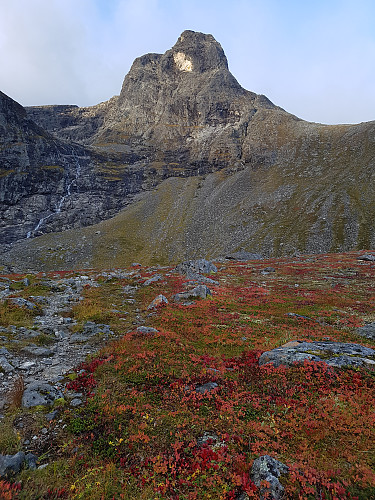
{"x":60,"y":203}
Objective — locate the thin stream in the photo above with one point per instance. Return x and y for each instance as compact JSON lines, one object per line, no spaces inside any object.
{"x":61,"y":201}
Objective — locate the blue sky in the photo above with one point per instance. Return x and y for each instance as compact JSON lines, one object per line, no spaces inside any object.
{"x":313,"y":58}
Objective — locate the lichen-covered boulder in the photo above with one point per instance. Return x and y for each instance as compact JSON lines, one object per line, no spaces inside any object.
{"x":266,"y":468}
{"x":199,"y":292}
{"x":40,"y":394}
{"x":334,"y":354}
{"x":197,"y":266}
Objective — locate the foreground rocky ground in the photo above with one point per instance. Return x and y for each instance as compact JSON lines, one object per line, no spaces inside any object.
{"x":234,"y":379}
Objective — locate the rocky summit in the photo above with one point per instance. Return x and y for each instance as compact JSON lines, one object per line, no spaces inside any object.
{"x":183,"y":163}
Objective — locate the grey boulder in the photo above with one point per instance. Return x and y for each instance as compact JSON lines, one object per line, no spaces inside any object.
{"x":205,"y":388}
{"x":91,"y":329}
{"x":158,"y":301}
{"x":5,"y":366}
{"x":38,"y":351}
{"x":243,"y":255}
{"x":153,"y":279}
{"x":11,"y":464}
{"x":197,"y":266}
{"x":369,"y":257}
{"x":367,"y":331}
{"x":31,"y":460}
{"x":266,"y":468}
{"x":147,"y":330}
{"x":198,"y":278}
{"x":40,"y":394}
{"x":18,"y":301}
{"x":199,"y":292}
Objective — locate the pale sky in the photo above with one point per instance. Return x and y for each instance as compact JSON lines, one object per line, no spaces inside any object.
{"x":314,"y":58}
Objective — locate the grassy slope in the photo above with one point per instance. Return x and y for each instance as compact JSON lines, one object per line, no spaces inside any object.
{"x":316,"y":197}
{"x":137,"y":435}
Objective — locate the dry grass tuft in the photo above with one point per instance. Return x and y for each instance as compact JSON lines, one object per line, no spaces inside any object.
{"x":15,"y":393}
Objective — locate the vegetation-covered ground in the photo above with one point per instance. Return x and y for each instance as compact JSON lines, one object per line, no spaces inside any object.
{"x":138,"y":434}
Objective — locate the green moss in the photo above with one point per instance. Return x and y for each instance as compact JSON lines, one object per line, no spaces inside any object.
{"x":59,"y":402}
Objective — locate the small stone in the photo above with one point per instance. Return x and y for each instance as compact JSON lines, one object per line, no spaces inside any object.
{"x":76,"y":402}
{"x":52,"y":415}
{"x":26,"y":365}
{"x":147,"y":330}
{"x":208,"y":387}
{"x":5,"y":366}
{"x":267,"y":270}
{"x":31,"y":460}
{"x":156,"y":277}
{"x":210,"y":439}
{"x":158,"y":301}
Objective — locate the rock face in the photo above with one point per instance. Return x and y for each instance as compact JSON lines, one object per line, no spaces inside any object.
{"x":182,"y":109}
{"x":220,"y":169}
{"x":49,"y":185}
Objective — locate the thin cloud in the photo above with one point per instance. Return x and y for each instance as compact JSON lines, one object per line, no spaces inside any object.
{"x":312,"y":59}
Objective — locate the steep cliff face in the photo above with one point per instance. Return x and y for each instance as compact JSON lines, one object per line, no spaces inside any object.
{"x":47,"y":184}
{"x":217,"y":168}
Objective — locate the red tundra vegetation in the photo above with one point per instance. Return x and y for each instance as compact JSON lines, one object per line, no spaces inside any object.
{"x":184,"y":412}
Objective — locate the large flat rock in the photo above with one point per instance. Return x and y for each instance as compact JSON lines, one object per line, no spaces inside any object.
{"x":335,"y":354}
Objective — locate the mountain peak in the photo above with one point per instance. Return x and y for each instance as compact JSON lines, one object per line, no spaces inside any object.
{"x":195,"y":51}
{"x":194,"y":64}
